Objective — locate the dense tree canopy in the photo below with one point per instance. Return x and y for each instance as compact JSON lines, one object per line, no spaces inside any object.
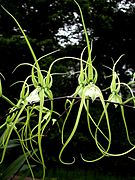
{"x":109,"y":25}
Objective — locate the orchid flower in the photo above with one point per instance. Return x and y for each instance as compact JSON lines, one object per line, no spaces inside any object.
{"x":33,"y":96}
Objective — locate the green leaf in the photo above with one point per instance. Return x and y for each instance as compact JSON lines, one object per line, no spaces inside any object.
{"x":11,"y":144}
{"x":14,"y":167}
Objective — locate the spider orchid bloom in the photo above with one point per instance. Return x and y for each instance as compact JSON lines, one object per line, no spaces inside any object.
{"x":91,"y":90}
{"x":33,"y":96}
{"x":115,"y":98}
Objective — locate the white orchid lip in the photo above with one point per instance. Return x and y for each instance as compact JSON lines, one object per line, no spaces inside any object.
{"x":33,"y":96}
{"x":116,"y":99}
{"x":91,"y":90}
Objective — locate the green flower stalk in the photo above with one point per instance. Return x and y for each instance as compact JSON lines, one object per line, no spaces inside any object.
{"x":0,"y":88}
{"x":27,"y":134}
{"x":87,"y":88}
{"x":116,"y":99}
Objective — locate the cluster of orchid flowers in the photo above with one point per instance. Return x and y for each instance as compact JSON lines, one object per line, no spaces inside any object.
{"x":87,"y":90}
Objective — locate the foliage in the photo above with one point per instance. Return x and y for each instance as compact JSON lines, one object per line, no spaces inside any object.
{"x":31,"y":116}
{"x":107,"y":24}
